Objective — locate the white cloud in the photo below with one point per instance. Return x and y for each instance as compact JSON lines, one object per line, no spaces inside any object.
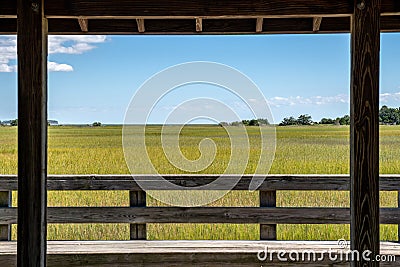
{"x":63,"y":44}
{"x":389,"y":97}
{"x":58,"y":44}
{"x":53,"y":66}
{"x":279,"y":101}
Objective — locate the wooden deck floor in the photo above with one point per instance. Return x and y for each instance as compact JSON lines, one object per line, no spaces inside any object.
{"x":187,"y":253}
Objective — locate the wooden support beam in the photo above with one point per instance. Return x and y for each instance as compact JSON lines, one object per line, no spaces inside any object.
{"x":140,"y":25}
{"x":316,"y":23}
{"x":195,"y":8}
{"x":32,"y":133}
{"x":5,"y":202}
{"x":137,"y":199}
{"x":84,"y":24}
{"x":364,"y":129}
{"x":268,"y":199}
{"x":259,"y":25}
{"x":199,"y":24}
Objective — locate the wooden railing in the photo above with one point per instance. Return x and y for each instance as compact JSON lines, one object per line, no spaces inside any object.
{"x":138,"y":214}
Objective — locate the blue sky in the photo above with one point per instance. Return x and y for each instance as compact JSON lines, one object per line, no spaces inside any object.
{"x":93,"y":78}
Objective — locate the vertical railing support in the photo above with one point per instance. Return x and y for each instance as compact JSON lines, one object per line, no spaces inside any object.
{"x":32,"y":133}
{"x":364,"y":130}
{"x":268,"y":199}
{"x":398,"y":206}
{"x":5,"y":202}
{"x":137,"y":199}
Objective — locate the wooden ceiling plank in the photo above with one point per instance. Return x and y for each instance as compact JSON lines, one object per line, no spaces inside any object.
{"x":197,"y":8}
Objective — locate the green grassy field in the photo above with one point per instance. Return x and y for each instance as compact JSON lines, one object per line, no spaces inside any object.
{"x":300,"y":150}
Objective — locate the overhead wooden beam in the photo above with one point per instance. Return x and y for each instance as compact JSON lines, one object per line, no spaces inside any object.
{"x":196,"y":8}
{"x":140,"y":25}
{"x":364,"y":129}
{"x":316,"y":23}
{"x":83,"y":23}
{"x":199,"y":24}
{"x":32,"y":133}
{"x":259,"y":25}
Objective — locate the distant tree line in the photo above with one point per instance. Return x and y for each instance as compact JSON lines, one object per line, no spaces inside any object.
{"x":386,"y":116}
{"x":253,"y":122}
{"x":389,"y":115}
{"x":15,"y":122}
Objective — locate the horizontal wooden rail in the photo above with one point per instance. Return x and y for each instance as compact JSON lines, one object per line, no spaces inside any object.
{"x":271,"y":182}
{"x":237,"y":215}
{"x":138,"y":214}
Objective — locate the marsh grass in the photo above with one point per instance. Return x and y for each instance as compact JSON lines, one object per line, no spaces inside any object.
{"x":300,"y":150}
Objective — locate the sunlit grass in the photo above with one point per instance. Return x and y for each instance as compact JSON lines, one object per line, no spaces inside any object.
{"x":300,"y":150}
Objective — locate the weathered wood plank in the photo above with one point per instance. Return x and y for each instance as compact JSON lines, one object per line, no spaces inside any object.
{"x":199,"y":24}
{"x":140,"y":25}
{"x":32,"y":133}
{"x":137,"y":199}
{"x":5,"y":202}
{"x":185,"y":253}
{"x":272,"y":182}
{"x":259,"y":25}
{"x":316,"y":23}
{"x":195,"y":8}
{"x":83,"y":24}
{"x":364,"y":129}
{"x":186,"y":27}
{"x":268,"y":199}
{"x":68,"y":8}
{"x":239,"y":215}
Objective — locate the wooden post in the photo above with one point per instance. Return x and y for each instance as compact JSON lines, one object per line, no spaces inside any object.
{"x":5,"y":229}
{"x":32,"y":133}
{"x":138,"y":199}
{"x":364,"y":129}
{"x":268,"y":199}
{"x":398,"y":206}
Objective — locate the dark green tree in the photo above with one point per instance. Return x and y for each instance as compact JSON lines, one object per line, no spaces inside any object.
{"x":327,"y":121}
{"x":304,"y":119}
{"x":288,"y":121}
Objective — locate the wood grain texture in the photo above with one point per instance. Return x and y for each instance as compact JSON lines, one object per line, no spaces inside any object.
{"x":5,"y":202}
{"x":240,"y":215}
{"x":137,"y":199}
{"x":187,"y":27}
{"x":83,"y":24}
{"x":199,"y":24}
{"x":268,"y":199}
{"x":140,"y":25}
{"x":316,"y":23}
{"x":183,"y":253}
{"x":259,"y":25}
{"x":75,"y":8}
{"x":364,"y":129}
{"x":32,"y":133}
{"x":272,"y":182}
{"x":195,"y":8}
